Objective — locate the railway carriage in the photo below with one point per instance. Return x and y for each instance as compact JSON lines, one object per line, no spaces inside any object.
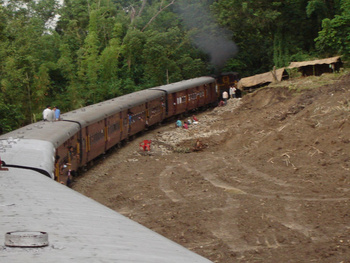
{"x":86,"y":133}
{"x":43,"y":221}
{"x":145,"y":108}
{"x":57,"y":148}
{"x":106,"y":124}
{"x":189,"y":95}
{"x":21,"y":147}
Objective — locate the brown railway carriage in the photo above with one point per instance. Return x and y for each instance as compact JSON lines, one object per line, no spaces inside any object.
{"x":86,"y":133}
{"x":62,"y":135}
{"x":108,"y":123}
{"x":189,"y":95}
{"x":144,"y":108}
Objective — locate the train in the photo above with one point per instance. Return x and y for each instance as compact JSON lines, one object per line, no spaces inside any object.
{"x":86,"y":133}
{"x":80,"y":228}
{"x":227,"y":79}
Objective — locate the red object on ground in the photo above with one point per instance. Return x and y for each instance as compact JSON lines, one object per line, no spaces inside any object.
{"x":146,"y":145}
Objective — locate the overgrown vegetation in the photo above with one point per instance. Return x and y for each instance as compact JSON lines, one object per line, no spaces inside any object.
{"x":83,"y":52}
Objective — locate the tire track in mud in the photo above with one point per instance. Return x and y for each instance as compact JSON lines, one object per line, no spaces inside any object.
{"x":282,"y":193}
{"x":227,"y":228}
{"x":165,"y":186}
{"x":292,"y":218}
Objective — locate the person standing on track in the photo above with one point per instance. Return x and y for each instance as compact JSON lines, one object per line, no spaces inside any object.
{"x":232,"y":92}
{"x":225,"y":97}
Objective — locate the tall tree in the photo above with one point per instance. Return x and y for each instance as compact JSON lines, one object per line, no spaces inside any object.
{"x":24,"y":50}
{"x":89,"y":65}
{"x":271,"y":26}
{"x":334,"y":37}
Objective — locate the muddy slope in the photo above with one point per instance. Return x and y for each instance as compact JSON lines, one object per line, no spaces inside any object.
{"x":269,"y":182}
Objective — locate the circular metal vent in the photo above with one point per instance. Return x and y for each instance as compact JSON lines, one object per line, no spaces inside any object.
{"x":26,"y":239}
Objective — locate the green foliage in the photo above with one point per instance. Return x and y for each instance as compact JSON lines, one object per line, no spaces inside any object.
{"x":101,"y":49}
{"x":316,"y":7}
{"x":334,"y":37}
{"x":322,"y":9}
{"x":11,"y":116}
{"x":190,"y":67}
{"x":280,"y":28}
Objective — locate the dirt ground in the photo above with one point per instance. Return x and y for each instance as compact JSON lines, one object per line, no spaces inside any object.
{"x":269,"y":182}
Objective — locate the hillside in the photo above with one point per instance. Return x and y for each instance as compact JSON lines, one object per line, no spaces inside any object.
{"x":270,"y":184}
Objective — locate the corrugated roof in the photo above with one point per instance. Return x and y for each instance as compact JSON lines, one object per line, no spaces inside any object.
{"x":314,"y":62}
{"x":260,"y":79}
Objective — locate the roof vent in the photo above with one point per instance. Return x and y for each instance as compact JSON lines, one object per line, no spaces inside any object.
{"x":26,"y":239}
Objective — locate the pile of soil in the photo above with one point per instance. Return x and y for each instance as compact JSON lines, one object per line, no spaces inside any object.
{"x":264,"y":179}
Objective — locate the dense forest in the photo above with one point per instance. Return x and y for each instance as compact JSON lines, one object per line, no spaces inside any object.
{"x":74,"y":53}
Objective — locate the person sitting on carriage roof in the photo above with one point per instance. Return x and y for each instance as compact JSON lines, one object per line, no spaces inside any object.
{"x":46,"y":112}
{"x":57,"y":113}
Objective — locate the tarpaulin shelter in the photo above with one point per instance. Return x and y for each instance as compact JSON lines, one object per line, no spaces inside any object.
{"x":318,"y":67}
{"x":263,"y":79}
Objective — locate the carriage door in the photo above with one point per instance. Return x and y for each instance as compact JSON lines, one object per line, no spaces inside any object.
{"x":174,"y":102}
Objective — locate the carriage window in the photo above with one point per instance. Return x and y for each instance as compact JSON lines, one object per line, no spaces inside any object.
{"x":181,"y":100}
{"x":112,"y":128}
{"x":156,"y":110}
{"x":137,"y":117}
{"x":192,"y":96}
{"x":97,"y":136}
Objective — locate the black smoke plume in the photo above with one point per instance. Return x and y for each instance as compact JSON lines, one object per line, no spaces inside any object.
{"x":208,"y":35}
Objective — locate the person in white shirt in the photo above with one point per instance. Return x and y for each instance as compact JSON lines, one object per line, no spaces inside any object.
{"x":46,"y":113}
{"x":232,"y":92}
{"x":225,"y":97}
{"x":52,"y":115}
